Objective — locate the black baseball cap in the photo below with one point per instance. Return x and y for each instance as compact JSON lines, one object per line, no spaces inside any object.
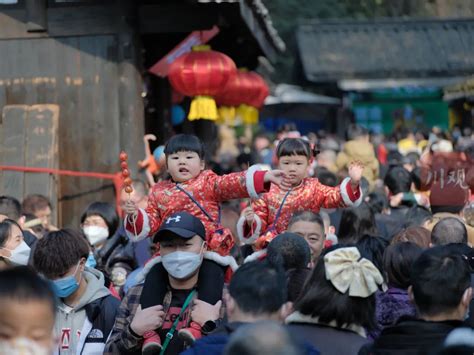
{"x":181,"y":224}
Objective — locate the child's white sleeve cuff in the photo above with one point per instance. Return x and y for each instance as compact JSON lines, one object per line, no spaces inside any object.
{"x":348,"y":195}
{"x":137,"y":230}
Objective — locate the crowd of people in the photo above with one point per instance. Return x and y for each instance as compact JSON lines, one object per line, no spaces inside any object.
{"x":293,"y":245}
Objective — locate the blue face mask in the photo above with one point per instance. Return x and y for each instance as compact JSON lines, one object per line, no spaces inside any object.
{"x":66,"y":286}
{"x":90,"y":262}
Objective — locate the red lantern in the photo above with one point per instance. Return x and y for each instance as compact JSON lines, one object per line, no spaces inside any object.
{"x":247,"y":90}
{"x":202,"y":74}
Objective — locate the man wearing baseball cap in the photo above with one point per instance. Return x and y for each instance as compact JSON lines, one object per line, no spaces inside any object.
{"x":182,"y":250}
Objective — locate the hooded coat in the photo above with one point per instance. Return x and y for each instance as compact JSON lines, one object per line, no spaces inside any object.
{"x":391,"y":306}
{"x":362,"y":151}
{"x":411,"y":336}
{"x":84,"y":328}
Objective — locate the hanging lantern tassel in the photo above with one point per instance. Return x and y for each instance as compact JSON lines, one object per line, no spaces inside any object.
{"x":248,"y":114}
{"x":201,"y":74}
{"x":203,"y":107}
{"x":227,"y":115}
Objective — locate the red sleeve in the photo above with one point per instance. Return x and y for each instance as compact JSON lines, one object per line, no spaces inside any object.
{"x":153,"y":212}
{"x":137,"y":228}
{"x":353,"y":194}
{"x":234,"y":185}
{"x":259,"y":183}
{"x":248,"y":231}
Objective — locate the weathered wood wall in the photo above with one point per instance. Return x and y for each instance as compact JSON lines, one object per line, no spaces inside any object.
{"x":29,"y":137}
{"x":86,"y":64}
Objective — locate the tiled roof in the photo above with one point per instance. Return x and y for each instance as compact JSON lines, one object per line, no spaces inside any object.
{"x":335,"y":50}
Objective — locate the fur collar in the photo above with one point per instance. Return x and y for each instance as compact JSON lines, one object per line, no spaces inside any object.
{"x":208,"y":255}
{"x":255,"y":256}
{"x":297,"y":317}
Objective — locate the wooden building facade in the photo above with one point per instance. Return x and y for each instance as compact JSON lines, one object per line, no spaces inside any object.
{"x":73,"y":80}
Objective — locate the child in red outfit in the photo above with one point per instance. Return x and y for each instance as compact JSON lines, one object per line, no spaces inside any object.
{"x":198,"y":192}
{"x":269,"y":216}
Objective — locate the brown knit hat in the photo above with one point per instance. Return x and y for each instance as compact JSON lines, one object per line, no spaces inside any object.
{"x":418,"y":235}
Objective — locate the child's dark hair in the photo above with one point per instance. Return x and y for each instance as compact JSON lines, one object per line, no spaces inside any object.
{"x":398,"y":260}
{"x":58,"y":251}
{"x":104,"y":210}
{"x":23,"y":284}
{"x":295,"y":146}
{"x":184,"y":143}
{"x":319,"y":298}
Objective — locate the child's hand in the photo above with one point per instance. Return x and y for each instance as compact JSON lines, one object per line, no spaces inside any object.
{"x":249,"y":215}
{"x":147,"y":319}
{"x":355,"y":172}
{"x":130,"y":208}
{"x":276,"y":177}
{"x":203,"y":312}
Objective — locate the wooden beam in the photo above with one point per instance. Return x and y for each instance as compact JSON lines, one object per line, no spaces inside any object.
{"x":256,"y":30}
{"x":167,"y":18}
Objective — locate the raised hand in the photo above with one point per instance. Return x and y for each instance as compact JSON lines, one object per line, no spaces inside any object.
{"x":276,"y":177}
{"x":355,"y":172}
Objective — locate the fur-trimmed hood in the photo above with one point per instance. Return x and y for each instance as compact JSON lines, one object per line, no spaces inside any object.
{"x":208,"y":255}
{"x":257,"y":255}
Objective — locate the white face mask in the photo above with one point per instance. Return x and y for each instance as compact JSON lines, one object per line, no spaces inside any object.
{"x":181,"y":264}
{"x":95,"y":234}
{"x":22,"y":346}
{"x":20,"y":255}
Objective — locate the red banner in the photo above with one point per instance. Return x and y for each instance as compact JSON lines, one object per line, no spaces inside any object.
{"x":195,"y":38}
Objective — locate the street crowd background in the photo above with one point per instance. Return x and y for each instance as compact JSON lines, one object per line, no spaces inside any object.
{"x":307,"y":185}
{"x":391,"y":274}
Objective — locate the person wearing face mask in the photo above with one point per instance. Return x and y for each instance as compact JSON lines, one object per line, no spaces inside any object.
{"x":25,"y":295}
{"x":10,"y":208}
{"x":112,"y":251}
{"x":13,"y":249}
{"x":182,"y":251}
{"x":86,"y":311}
